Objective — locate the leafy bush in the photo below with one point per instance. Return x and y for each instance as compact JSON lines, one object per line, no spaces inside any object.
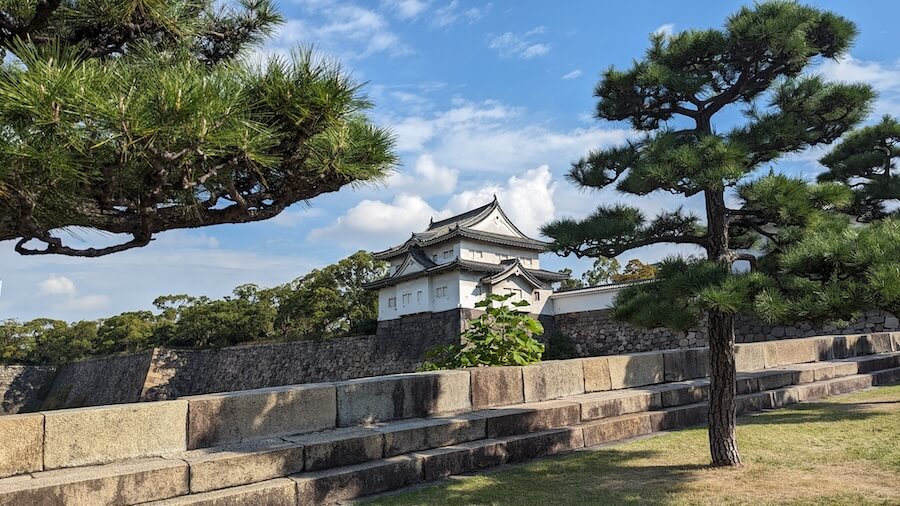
{"x":500,"y":336}
{"x":560,"y":346}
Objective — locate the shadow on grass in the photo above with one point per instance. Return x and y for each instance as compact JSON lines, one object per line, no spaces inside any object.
{"x":817,"y":412}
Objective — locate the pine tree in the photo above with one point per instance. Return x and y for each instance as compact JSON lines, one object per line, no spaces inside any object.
{"x":865,"y":160}
{"x":139,"y":116}
{"x":682,"y":95}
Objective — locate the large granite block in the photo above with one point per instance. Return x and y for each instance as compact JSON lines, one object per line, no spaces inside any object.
{"x":849,"y":384}
{"x":887,"y":376}
{"x":615,"y":429}
{"x":382,"y":398}
{"x":610,"y":404}
{"x":824,"y":347}
{"x":553,"y":380}
{"x":750,"y":357}
{"x":770,"y":380}
{"x":213,"y":469}
{"x":636,"y":369}
{"x":689,"y":363}
{"x":791,"y":351}
{"x":685,"y":393}
{"x":340,"y":447}
{"x":596,"y":374}
{"x":537,"y":444}
{"x":881,"y":342}
{"x":462,"y":458}
{"x":496,"y":386}
{"x":233,"y":417}
{"x":836,"y":370}
{"x":812,"y":391}
{"x":82,"y":436}
{"x":785,"y":396}
{"x":869,"y":363}
{"x":530,"y":417}
{"x":677,"y":417}
{"x":422,"y":434}
{"x":350,"y":482}
{"x":120,"y":483}
{"x":278,"y":492}
{"x":22,"y":447}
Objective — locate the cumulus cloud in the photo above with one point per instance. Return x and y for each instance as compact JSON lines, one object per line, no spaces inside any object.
{"x":490,"y":136}
{"x":527,"y":199}
{"x":523,"y":46}
{"x":427,"y":178}
{"x":343,"y":29}
{"x":665,"y":30}
{"x":575,"y":74}
{"x":377,"y":225}
{"x":57,"y":285}
{"x":885,"y":78}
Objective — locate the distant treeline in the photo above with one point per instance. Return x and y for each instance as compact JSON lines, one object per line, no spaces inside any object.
{"x":325,"y":303}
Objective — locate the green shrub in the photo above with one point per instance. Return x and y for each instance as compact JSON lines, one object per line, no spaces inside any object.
{"x":560,"y":346}
{"x":500,"y":336}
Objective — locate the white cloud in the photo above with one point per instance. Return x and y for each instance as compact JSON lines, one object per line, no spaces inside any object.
{"x":851,"y":70}
{"x":378,"y":225}
{"x":510,"y":44}
{"x":665,"y":30}
{"x":85,"y":303}
{"x":428,"y":178}
{"x":527,"y":199}
{"x":345,"y":30}
{"x":451,"y":13}
{"x":575,"y":74}
{"x":57,"y":285}
{"x":407,"y":9}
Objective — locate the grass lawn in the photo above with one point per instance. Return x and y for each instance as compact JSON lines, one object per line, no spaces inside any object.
{"x":841,"y":451}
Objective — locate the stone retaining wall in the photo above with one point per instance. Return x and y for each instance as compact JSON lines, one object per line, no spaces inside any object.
{"x":98,"y":381}
{"x":85,"y":436}
{"x":23,"y":387}
{"x":596,"y":333}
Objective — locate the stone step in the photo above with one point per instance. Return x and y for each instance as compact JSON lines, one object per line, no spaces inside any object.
{"x":127,"y":482}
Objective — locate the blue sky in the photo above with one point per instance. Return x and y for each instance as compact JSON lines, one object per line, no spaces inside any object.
{"x":484,"y":98}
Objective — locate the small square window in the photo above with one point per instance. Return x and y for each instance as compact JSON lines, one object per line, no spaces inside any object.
{"x":448,"y":253}
{"x":419,"y":296}
{"x":537,"y":295}
{"x":392,"y":302}
{"x":406,"y":298}
{"x":441,"y":292}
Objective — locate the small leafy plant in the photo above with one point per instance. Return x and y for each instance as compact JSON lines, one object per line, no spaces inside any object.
{"x":502,"y":335}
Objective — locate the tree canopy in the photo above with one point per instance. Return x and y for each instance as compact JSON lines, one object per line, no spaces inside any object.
{"x":133,"y":117}
{"x":682,"y":95}
{"x":328,"y":302}
{"x":865,"y":160}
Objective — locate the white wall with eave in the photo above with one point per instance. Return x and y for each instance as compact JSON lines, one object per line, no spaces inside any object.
{"x":585,"y":299}
{"x":495,"y":253}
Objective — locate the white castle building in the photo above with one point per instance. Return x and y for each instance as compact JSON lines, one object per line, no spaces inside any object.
{"x":456,"y":261}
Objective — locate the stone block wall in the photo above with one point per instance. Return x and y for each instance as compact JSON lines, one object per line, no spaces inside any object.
{"x":98,"y":381}
{"x":23,"y":387}
{"x":596,"y":333}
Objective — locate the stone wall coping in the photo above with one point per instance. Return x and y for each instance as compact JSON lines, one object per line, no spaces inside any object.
{"x":267,"y":412}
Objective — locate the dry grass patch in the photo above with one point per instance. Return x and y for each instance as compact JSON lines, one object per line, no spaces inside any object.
{"x":843,"y":450}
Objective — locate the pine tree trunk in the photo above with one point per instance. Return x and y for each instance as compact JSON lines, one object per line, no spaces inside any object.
{"x":722,"y":395}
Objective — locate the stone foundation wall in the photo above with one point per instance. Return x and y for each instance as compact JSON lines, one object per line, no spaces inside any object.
{"x":24,"y":387}
{"x":399,"y":346}
{"x":99,"y":381}
{"x":596,"y":333}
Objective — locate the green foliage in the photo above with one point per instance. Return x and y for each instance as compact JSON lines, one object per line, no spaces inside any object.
{"x":139,"y":116}
{"x":332,"y":301}
{"x":635,"y":270}
{"x":559,"y":347}
{"x":866,"y":159}
{"x":326,"y":303}
{"x":570,"y":282}
{"x":601,"y":272}
{"x":500,"y":336}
